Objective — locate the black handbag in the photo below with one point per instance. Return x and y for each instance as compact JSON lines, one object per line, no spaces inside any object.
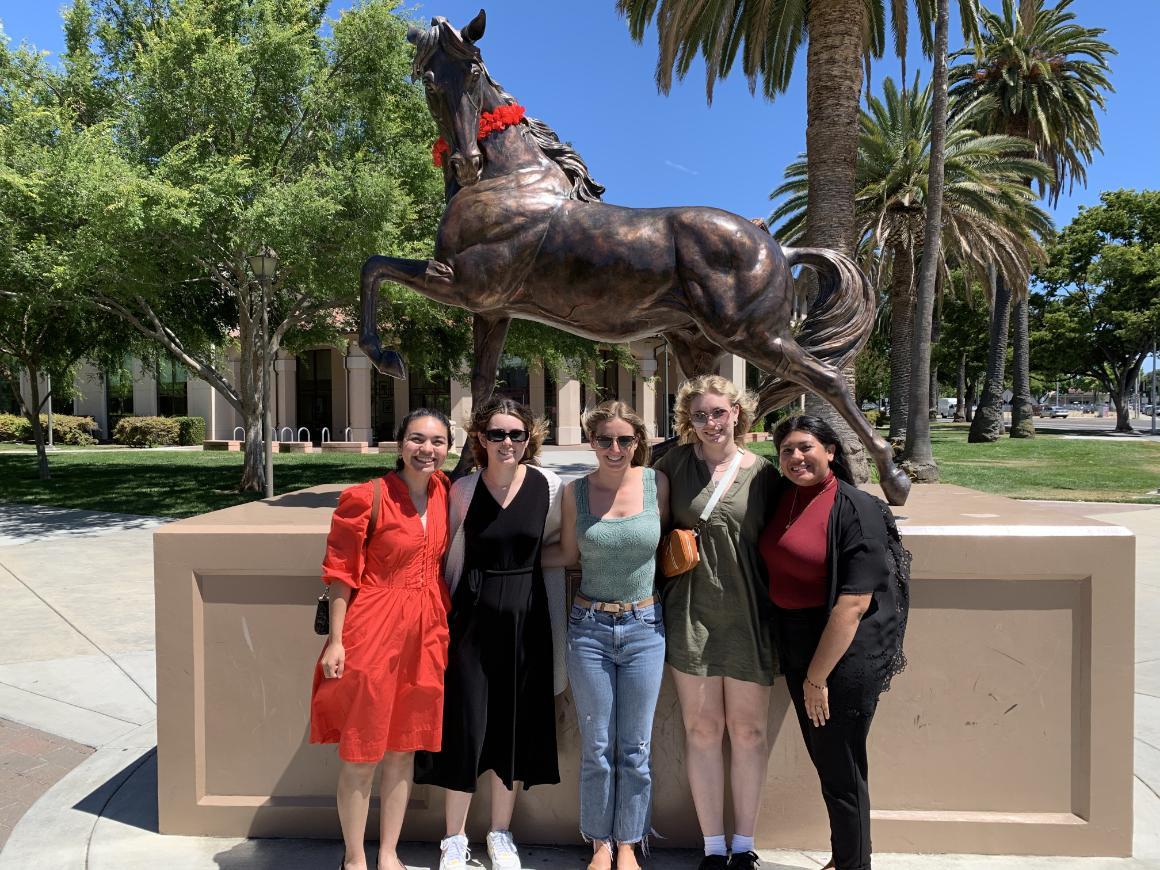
{"x":322,"y":609}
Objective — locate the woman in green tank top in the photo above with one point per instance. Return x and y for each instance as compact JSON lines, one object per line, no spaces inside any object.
{"x":611,"y":523}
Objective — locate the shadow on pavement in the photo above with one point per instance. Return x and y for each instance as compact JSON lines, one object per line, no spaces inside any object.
{"x":19,"y":523}
{"x":129,"y":797}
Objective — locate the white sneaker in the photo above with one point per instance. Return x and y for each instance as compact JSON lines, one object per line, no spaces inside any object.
{"x":453,"y":853}
{"x":501,"y":848}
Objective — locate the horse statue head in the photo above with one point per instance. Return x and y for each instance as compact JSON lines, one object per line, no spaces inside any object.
{"x":449,"y":65}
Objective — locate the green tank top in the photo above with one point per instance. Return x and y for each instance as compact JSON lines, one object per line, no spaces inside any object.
{"x":618,"y":555}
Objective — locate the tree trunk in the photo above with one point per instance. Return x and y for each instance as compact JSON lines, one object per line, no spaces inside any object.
{"x":833,"y":90}
{"x":1022,"y":416}
{"x":918,"y":457}
{"x":969,"y":411}
{"x":250,"y":392}
{"x":1119,"y":397}
{"x":960,"y":392}
{"x":933,"y":414}
{"x":988,"y":423}
{"x":901,"y":334}
{"x":33,"y":415}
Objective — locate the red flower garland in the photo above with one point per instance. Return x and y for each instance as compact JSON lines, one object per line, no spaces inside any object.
{"x":489,"y":122}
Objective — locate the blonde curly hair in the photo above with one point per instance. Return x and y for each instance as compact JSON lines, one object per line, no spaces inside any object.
{"x":745,"y":401}
{"x":482,"y":415}
{"x":617,"y":410}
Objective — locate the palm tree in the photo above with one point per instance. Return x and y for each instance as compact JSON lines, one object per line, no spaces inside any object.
{"x":989,"y":214}
{"x":843,"y":35}
{"x":1047,"y":76}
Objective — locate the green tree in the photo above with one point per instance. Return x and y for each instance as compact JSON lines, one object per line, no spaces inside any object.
{"x":1048,"y":76}
{"x":53,"y":202}
{"x":962,"y":345}
{"x":989,"y":215}
{"x":1103,"y":284}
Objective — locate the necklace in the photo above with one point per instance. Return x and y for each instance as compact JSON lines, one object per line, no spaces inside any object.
{"x":793,"y":505}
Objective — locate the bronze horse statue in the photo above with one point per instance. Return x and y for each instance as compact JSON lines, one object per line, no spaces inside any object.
{"x":525,"y":235}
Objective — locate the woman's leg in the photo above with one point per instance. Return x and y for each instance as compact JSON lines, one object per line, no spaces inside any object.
{"x":703,"y":711}
{"x":640,"y":668}
{"x":592,"y":676}
{"x":354,"y":801}
{"x":747,"y":719}
{"x":394,"y":792}
{"x":503,"y":803}
{"x":455,"y":807}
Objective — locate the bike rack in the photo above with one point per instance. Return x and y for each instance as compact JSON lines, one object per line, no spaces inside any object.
{"x":282,"y":433}
{"x":302,"y":429}
{"x":325,"y":435}
{"x":346,"y":434}
{"x":238,"y":429}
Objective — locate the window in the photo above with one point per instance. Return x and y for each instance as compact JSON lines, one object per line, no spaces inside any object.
{"x":513,"y":380}
{"x":608,"y":378}
{"x":551,"y":403}
{"x":119,"y":393}
{"x":172,"y":388}
{"x":383,"y":407}
{"x":433,"y":392}
{"x":313,"y":392}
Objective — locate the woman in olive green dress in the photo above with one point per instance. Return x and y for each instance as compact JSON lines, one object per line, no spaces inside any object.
{"x":719,"y":650}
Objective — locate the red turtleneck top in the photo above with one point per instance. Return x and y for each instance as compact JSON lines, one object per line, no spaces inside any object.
{"x":793,"y":545}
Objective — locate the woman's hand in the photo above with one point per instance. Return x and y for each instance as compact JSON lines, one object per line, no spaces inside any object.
{"x":333,"y":660}
{"x":817,"y":701}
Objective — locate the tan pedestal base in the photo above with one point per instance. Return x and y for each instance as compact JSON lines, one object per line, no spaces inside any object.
{"x":1010,"y":732}
{"x":345,"y":447}
{"x":230,"y":446}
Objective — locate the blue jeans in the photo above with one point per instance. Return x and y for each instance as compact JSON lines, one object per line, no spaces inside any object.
{"x":615,"y":665}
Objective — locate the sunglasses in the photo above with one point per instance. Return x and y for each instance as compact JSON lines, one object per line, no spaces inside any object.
{"x":497,"y":436}
{"x":701,"y":419}
{"x":605,"y":441}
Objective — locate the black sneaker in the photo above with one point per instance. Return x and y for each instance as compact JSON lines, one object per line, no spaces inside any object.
{"x":713,"y":862}
{"x":743,"y":861}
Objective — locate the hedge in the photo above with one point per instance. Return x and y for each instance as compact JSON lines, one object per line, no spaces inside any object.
{"x":66,"y":429}
{"x":159,"y":431}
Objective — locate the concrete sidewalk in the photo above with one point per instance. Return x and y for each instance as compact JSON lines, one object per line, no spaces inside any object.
{"x":77,"y":662}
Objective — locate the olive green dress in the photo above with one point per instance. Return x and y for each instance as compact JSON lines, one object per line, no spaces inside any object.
{"x":717,"y":615}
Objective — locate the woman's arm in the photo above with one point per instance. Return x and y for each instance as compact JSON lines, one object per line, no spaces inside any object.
{"x":663,"y":500}
{"x":836,"y":639}
{"x":334,"y":656}
{"x":566,"y":551}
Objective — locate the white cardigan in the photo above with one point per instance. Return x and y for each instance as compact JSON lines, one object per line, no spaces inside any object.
{"x":462,"y":491}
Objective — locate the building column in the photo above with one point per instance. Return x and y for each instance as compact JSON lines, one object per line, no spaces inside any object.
{"x":460,"y":412}
{"x":144,"y":389}
{"x":199,"y":402}
{"x":358,"y":398}
{"x":646,"y":394}
{"x":286,"y":386}
{"x":90,"y":401}
{"x":403,"y":397}
{"x":568,"y":429}
{"x":733,"y":368}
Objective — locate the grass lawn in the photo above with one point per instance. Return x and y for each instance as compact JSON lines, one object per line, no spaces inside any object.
{"x":169,"y":483}
{"x":1046,"y":467}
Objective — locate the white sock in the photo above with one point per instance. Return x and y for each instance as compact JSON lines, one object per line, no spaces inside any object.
{"x":715,"y":845}
{"x":741,"y":844}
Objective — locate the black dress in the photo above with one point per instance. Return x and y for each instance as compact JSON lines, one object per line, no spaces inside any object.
{"x":499,"y":710}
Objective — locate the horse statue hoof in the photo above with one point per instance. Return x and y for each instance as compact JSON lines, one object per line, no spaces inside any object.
{"x":896,"y":486}
{"x":386,"y":362}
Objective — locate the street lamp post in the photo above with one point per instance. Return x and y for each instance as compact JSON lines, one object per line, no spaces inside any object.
{"x":264,"y":265}
{"x":1154,"y":382}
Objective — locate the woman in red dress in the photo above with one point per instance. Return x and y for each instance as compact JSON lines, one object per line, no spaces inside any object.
{"x":378,"y":684}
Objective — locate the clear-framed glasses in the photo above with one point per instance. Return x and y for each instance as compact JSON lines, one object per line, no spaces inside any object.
{"x":497,"y":436}
{"x":604,"y":442}
{"x":700,"y":419}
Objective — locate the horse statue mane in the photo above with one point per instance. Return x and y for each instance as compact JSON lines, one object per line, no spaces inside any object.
{"x":443,"y":35}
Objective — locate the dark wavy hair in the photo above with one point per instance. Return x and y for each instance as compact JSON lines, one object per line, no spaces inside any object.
{"x":826,"y":436}
{"x":482,"y":415}
{"x":416,"y":414}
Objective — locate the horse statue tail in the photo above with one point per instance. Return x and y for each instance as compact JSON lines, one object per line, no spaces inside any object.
{"x":839,"y":321}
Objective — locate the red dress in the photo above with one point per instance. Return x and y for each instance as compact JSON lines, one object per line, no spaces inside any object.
{"x":390,"y":695}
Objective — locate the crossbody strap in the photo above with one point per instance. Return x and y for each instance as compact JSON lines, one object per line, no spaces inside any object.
{"x":723,"y":484}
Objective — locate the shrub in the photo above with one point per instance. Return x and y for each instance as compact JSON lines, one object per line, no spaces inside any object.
{"x":66,"y":429}
{"x":147,"y":431}
{"x":190,"y":430}
{"x":872,"y":417}
{"x":14,"y":427}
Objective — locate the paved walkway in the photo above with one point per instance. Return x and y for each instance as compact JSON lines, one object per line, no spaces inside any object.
{"x":77,"y":663}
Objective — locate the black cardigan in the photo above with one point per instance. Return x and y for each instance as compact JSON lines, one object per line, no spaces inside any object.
{"x":864,"y":555}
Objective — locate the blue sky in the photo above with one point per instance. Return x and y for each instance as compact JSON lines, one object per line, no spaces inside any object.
{"x":573,"y":65}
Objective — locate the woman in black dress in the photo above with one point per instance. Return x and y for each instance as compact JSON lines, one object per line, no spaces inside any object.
{"x":499,"y":707}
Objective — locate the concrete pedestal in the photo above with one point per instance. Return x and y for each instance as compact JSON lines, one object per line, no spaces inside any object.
{"x":1010,"y":732}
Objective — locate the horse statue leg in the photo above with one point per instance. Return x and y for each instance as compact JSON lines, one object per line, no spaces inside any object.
{"x":696,"y":354}
{"x":488,"y":334}
{"x":416,"y":274}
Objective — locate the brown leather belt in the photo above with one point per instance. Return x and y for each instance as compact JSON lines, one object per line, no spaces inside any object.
{"x":614,"y":606}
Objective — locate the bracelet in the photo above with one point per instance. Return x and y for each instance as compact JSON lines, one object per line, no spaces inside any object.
{"x":820,"y":688}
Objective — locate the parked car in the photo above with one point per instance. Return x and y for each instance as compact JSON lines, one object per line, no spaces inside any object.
{"x":1053,"y":411}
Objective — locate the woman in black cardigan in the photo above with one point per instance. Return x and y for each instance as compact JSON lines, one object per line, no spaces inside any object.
{"x":839,"y":580}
